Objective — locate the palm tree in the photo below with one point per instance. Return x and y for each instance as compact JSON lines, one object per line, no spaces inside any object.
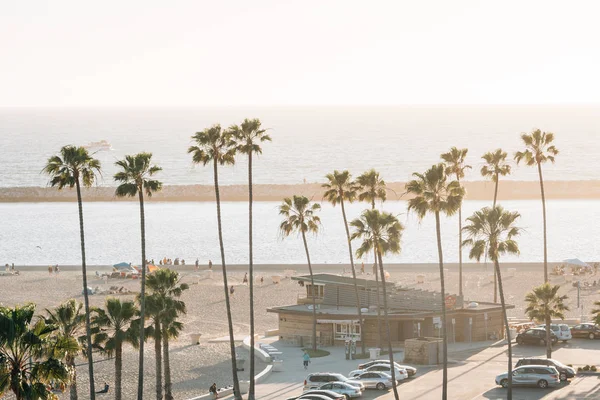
{"x":455,"y":161}
{"x":370,"y":188}
{"x":70,"y":321}
{"x":340,"y":188}
{"x":247,"y":137}
{"x":538,"y":150}
{"x":165,"y":289}
{"x":73,"y":167}
{"x":596,"y":313}
{"x":27,"y":355}
{"x":495,"y":167}
{"x":300,"y":217}
{"x":382,"y":232}
{"x":114,"y":327}
{"x":216,"y":146}
{"x":171,"y":328}
{"x":492,"y":230}
{"x":433,"y":194}
{"x":543,"y":304}
{"x":135,"y":179}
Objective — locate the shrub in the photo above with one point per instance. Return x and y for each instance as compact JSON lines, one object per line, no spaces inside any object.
{"x":579,"y":369}
{"x":570,"y":365}
{"x":586,"y":368}
{"x":593,"y":368}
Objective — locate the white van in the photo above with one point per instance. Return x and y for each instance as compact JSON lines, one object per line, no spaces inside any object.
{"x":562,"y":331}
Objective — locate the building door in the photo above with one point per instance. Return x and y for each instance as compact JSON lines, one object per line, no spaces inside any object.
{"x":468,"y":328}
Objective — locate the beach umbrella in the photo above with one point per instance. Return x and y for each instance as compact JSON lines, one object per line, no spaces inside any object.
{"x":576,"y":261}
{"x":121,"y":264}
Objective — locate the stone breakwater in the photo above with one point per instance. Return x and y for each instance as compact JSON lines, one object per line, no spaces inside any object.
{"x":476,"y":190}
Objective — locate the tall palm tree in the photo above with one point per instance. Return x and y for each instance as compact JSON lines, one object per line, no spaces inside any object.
{"x":73,"y":167}
{"x":434,"y":194}
{"x":340,"y":188}
{"x":70,"y":322}
{"x":27,"y":355}
{"x":382,"y":232}
{"x":135,"y":178}
{"x":114,"y":327}
{"x":538,"y":150}
{"x":495,"y":167}
{"x":171,"y":328}
{"x":371,"y":187}
{"x":248,"y":137}
{"x":493,"y":230}
{"x":216,"y":146}
{"x":300,"y":217}
{"x":455,"y":164}
{"x":543,"y":304}
{"x":165,"y":289}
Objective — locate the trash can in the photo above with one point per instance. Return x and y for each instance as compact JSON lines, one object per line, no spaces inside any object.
{"x":244,"y":387}
{"x":277,"y":365}
{"x":374,"y":353}
{"x":240,"y":362}
{"x":195,"y":338}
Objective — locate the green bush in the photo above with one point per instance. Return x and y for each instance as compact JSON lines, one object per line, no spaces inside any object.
{"x":593,"y":368}
{"x":316,"y":353}
{"x":586,"y":368}
{"x":579,"y":369}
{"x":570,"y":365}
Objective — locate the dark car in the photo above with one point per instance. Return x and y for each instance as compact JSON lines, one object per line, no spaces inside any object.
{"x":565,"y":372}
{"x":586,"y":330}
{"x":535,"y":336}
{"x":327,"y":393}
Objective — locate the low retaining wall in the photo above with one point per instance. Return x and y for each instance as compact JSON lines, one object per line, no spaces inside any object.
{"x":258,"y":352}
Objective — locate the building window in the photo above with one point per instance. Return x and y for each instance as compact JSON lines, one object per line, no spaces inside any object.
{"x":347,"y":331}
{"x":319,"y":291}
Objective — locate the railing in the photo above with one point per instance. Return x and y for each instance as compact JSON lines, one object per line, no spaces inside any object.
{"x":305,"y":299}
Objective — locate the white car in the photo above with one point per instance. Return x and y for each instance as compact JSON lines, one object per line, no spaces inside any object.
{"x":562,"y":331}
{"x":376,"y":380}
{"x":347,"y":390}
{"x":412,"y":371}
{"x":318,"y":379}
{"x":401,"y":374}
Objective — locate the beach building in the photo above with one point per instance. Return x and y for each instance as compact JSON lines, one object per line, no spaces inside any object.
{"x":412,"y":313}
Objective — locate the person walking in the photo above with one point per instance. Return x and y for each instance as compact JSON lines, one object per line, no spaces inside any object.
{"x":362,"y":267}
{"x":210,"y":264}
{"x":213,"y":390}
{"x":197,"y":265}
{"x":305,"y":359}
{"x":231,"y":291}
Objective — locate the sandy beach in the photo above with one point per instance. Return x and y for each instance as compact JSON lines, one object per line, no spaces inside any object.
{"x":194,"y":368}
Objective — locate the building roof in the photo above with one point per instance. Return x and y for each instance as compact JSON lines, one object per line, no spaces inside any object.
{"x":339,"y":280}
{"x":341,"y":312}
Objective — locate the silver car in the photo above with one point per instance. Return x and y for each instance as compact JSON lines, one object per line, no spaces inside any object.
{"x":541,"y":376}
{"x":347,"y":390}
{"x":376,"y":380}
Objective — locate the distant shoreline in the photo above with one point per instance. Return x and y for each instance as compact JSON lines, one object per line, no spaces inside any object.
{"x":476,"y":190}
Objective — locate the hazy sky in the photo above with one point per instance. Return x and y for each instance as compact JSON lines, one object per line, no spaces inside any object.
{"x":283,"y":52}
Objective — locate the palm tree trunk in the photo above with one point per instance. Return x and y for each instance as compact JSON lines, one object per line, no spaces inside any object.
{"x":544,"y":214}
{"x":460,"y":271}
{"x":73,"y":389}
{"x":86,"y":299}
{"x":358,"y":306}
{"x":251,"y":277}
{"x":236,"y":383}
{"x":379,"y":336}
{"x":443,"y":301}
{"x":312,"y":286}
{"x":118,"y":370}
{"x":167,"y":362}
{"x":501,"y":290}
{"x":548,"y":340}
{"x":495,"y":273}
{"x":140,"y":391}
{"x":158,"y":355}
{"x":387,"y":324}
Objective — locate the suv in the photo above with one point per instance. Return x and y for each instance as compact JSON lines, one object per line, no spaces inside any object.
{"x":315,"y":381}
{"x":531,"y":375}
{"x":562,"y":331}
{"x":586,"y":330}
{"x":535,"y":336}
{"x":564,"y":372}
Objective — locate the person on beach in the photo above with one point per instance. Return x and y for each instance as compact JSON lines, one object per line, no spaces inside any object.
{"x":56,"y":269}
{"x":213,"y":390}
{"x":197,"y":265}
{"x":362,"y":267}
{"x":50,"y":269}
{"x":231,"y":291}
{"x":305,"y":359}
{"x":245,"y":278}
{"x":209,"y":264}
{"x":105,"y":390}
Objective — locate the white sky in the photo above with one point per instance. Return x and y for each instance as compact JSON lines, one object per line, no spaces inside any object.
{"x":284,"y":52}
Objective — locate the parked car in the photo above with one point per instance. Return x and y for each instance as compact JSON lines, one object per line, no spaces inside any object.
{"x":412,"y":371}
{"x":535,"y":336}
{"x":541,"y":376}
{"x":562,"y":331}
{"x":316,"y":380}
{"x":586,"y":330}
{"x":376,"y":380}
{"x":347,"y":390}
{"x":401,"y":374}
{"x":313,"y":397}
{"x":327,"y":393}
{"x":564,"y":372}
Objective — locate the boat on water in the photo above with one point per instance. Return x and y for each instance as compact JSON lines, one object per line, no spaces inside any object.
{"x":98,"y":146}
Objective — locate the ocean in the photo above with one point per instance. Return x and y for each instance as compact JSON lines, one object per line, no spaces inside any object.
{"x":308,"y":142}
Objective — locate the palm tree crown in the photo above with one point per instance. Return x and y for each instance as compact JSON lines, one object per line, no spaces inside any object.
{"x":299,"y":216}
{"x":432,"y":194}
{"x":538,"y":148}
{"x":339,"y":187}
{"x":496,"y":165}
{"x":378,"y":230}
{"x":248,"y":135}
{"x":72,"y":163}
{"x":213,"y":144}
{"x":136,"y":174}
{"x":544,"y":303}
{"x":455,"y":162}
{"x":492,"y":230}
{"x":371,"y":187}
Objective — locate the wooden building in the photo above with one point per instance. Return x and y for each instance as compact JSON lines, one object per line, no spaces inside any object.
{"x":412,"y":313}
